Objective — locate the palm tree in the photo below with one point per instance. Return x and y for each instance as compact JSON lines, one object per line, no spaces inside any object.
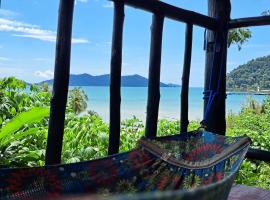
{"x":78,"y":100}
{"x":5,"y":105}
{"x":239,"y":36}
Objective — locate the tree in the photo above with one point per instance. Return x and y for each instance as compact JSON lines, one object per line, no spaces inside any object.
{"x":239,"y":36}
{"x":266,"y":12}
{"x":78,"y":100}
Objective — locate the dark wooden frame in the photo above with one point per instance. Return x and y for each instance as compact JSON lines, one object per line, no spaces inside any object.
{"x":215,"y":65}
{"x":115,"y":78}
{"x":249,"y":21}
{"x":185,"y":79}
{"x":217,"y":21}
{"x":173,"y":12}
{"x":60,"y":84}
{"x":154,"y":76}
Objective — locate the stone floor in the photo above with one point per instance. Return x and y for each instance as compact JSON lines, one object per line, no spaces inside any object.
{"x":242,"y":192}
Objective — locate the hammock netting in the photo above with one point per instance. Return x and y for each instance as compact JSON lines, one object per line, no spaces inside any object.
{"x":197,"y":165}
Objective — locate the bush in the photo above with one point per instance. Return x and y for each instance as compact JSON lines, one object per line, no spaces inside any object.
{"x":86,"y":136}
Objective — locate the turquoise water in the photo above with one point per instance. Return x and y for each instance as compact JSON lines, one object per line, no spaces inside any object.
{"x":134,"y":101}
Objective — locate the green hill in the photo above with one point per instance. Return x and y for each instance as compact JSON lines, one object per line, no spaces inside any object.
{"x":250,"y":76}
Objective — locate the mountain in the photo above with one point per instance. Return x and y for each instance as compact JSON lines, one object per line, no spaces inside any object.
{"x":253,"y":75}
{"x":104,"y":80}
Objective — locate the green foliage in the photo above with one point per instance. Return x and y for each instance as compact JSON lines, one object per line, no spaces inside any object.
{"x":250,"y":76}
{"x":78,"y":100}
{"x":25,"y":128}
{"x":31,"y":116}
{"x":11,"y":83}
{"x":266,"y":13}
{"x":239,"y":36}
{"x":86,"y":137}
{"x":254,"y":121}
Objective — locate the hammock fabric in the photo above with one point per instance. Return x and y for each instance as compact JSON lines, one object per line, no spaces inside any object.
{"x":197,"y":165}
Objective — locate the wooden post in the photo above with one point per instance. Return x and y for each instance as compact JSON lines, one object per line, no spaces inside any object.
{"x":60,"y":84}
{"x":154,"y":76}
{"x":115,"y":78}
{"x":215,"y":120}
{"x":185,"y":79}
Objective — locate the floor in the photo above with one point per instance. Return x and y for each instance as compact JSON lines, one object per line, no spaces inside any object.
{"x":238,"y":192}
{"x":242,"y":192}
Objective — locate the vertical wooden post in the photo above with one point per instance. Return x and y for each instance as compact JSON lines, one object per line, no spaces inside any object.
{"x":115,"y":78}
{"x":154,"y":76}
{"x":185,"y":78}
{"x":220,"y":10}
{"x":60,"y":84}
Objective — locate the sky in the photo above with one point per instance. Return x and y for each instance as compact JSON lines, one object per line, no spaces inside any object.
{"x":28,"y":29}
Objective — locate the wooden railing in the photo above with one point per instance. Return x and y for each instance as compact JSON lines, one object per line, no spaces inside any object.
{"x":160,"y":11}
{"x":247,"y":22}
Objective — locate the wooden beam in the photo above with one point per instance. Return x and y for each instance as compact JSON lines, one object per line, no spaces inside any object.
{"x":60,"y":84}
{"x":185,"y":79}
{"x":250,"y":21}
{"x":215,"y":68}
{"x":173,"y":12}
{"x":154,"y":76}
{"x":257,"y":154}
{"x":115,"y":78}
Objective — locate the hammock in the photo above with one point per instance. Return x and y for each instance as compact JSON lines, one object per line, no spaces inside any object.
{"x":197,"y":165}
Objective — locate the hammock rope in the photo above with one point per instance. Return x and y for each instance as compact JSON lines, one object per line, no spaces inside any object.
{"x":213,"y":91}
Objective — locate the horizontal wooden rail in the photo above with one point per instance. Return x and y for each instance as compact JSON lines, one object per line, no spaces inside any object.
{"x":257,"y":154}
{"x":249,"y":21}
{"x":173,"y":12}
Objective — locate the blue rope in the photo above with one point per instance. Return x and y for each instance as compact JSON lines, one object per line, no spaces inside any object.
{"x":210,"y":94}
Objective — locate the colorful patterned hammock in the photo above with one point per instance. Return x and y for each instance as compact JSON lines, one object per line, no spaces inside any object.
{"x":198,"y":165}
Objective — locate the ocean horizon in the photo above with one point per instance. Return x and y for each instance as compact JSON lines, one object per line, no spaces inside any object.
{"x":134,"y":101}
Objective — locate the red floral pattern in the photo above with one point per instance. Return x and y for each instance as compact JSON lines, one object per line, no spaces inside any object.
{"x":203,"y":152}
{"x":21,"y":180}
{"x":138,"y":170}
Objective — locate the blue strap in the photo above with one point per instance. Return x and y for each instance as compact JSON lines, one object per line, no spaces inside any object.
{"x":210,"y":94}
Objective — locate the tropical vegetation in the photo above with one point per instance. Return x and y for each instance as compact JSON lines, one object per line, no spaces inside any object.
{"x":24,"y":125}
{"x":250,"y":76}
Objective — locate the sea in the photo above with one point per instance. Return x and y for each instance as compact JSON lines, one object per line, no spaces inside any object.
{"x":134,"y":100}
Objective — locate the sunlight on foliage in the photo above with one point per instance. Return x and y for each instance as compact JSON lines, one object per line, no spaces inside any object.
{"x":24,"y":125}
{"x":239,"y":36}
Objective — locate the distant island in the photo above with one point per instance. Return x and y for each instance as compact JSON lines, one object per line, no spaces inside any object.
{"x":104,"y":80}
{"x":254,"y":76}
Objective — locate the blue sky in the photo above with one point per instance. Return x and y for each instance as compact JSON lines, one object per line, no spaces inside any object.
{"x":27,"y":39}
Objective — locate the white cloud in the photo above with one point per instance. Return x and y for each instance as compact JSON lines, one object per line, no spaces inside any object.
{"x":44,"y":74}
{"x":32,"y":31}
{"x":108,"y":5}
{"x":80,"y":1}
{"x":7,"y":13}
